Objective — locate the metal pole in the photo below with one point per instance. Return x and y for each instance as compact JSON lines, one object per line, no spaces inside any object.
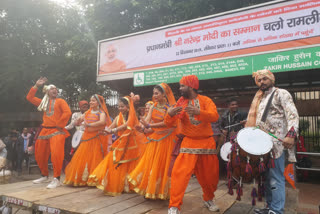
{"x":310,"y":169}
{"x":308,"y":153}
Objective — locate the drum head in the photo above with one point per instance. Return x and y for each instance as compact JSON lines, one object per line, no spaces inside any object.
{"x":76,"y":139}
{"x":254,"y":141}
{"x":225,"y":151}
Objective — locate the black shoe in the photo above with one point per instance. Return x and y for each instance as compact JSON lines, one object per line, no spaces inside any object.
{"x":264,"y":211}
{"x":261,"y":211}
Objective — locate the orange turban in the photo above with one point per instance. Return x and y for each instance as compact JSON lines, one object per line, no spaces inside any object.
{"x":83,"y":102}
{"x":264,"y":72}
{"x":191,"y":81}
{"x":149,"y":103}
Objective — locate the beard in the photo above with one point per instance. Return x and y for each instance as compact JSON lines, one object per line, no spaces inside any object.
{"x":185,"y":94}
{"x":265,"y":87}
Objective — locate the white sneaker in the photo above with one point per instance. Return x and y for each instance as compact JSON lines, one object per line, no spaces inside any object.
{"x":211,"y":206}
{"x":173,"y":210}
{"x":54,"y":184}
{"x":43,"y":179}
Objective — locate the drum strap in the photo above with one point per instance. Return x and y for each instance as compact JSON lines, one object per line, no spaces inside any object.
{"x":266,"y":110}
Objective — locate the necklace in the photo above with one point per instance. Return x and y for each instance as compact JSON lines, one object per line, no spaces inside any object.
{"x":95,"y":111}
{"x":161,"y":105}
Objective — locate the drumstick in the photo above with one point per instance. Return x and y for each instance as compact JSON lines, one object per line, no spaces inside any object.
{"x":269,"y":133}
{"x":233,"y":125}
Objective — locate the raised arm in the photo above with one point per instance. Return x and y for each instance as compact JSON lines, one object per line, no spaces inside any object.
{"x":31,"y":95}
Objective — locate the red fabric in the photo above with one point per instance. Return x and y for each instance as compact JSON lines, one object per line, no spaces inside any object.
{"x":83,"y":102}
{"x":301,"y":147}
{"x":191,"y":81}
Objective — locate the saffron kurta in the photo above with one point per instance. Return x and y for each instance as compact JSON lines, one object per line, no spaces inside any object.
{"x":114,"y":66}
{"x":51,"y":139}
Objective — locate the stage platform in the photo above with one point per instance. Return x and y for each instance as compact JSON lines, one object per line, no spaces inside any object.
{"x":35,"y":198}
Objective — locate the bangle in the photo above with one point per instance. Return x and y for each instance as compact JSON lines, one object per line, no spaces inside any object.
{"x":35,"y":87}
{"x":148,"y":126}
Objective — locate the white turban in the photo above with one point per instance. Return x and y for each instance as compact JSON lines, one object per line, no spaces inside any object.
{"x":45,"y":100}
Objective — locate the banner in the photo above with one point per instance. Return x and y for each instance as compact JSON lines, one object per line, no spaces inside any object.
{"x":284,"y":25}
{"x":299,"y":59}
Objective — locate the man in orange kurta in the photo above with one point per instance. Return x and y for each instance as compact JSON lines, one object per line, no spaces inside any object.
{"x":198,"y":153}
{"x":113,"y":64}
{"x":56,"y":114}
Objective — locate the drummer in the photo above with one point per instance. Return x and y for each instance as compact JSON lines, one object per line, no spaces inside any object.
{"x":83,"y":106}
{"x":232,"y":120}
{"x":282,"y":120}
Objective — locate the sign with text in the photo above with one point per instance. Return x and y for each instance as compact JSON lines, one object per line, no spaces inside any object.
{"x":299,"y":59}
{"x":278,"y":26}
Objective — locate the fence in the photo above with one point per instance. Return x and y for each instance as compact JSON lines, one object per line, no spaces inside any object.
{"x":309,"y":126}
{"x":310,"y":120}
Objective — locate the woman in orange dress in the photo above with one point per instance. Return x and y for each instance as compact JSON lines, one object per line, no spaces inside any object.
{"x":93,"y":146}
{"x":150,"y":177}
{"x":111,"y":174}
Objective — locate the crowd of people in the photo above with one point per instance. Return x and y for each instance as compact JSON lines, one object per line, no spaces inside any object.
{"x":19,"y":146}
{"x":157,"y":149}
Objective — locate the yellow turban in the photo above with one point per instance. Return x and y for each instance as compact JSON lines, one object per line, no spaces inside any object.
{"x":265,"y":73}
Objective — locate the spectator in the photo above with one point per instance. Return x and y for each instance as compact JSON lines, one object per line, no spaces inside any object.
{"x":3,"y":154}
{"x":233,"y":120}
{"x":14,"y":144}
{"x":26,"y":141}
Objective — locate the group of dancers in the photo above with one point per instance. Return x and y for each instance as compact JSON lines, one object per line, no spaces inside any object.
{"x":140,"y":160}
{"x":156,"y":155}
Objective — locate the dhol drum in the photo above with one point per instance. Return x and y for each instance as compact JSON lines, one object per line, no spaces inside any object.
{"x":250,"y":154}
{"x":225,"y":151}
{"x":76,"y":138}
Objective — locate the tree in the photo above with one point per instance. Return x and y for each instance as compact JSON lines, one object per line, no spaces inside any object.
{"x":40,"y":38}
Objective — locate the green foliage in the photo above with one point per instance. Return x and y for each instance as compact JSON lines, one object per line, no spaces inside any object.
{"x":41,"y":38}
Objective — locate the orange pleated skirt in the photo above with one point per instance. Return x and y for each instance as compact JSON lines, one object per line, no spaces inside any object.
{"x":110,"y":175}
{"x":90,"y":153}
{"x":150,"y":177}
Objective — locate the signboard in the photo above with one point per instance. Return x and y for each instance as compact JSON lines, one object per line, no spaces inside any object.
{"x":289,"y":24}
{"x":299,"y":59}
{"x":46,"y":209}
{"x":17,"y":201}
